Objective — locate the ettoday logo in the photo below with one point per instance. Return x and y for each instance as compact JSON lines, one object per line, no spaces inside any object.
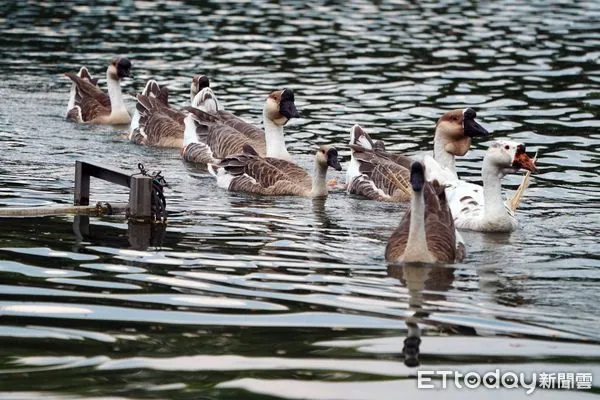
{"x":496,"y":379}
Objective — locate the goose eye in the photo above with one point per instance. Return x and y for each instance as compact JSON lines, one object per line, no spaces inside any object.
{"x":507,"y":147}
{"x":323,"y":151}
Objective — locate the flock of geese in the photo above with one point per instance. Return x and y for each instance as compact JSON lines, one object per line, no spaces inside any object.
{"x":245,"y":158}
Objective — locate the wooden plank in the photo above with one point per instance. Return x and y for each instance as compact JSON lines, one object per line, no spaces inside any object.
{"x":82,"y":185}
{"x":117,"y":208}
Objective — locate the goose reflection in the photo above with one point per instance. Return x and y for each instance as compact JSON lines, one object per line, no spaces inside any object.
{"x":419,"y":279}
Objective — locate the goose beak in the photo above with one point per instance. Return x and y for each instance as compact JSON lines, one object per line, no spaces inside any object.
{"x":522,"y":160}
{"x":332,"y":159}
{"x":287,"y":107}
{"x":473,"y":129}
{"x":288,"y":110}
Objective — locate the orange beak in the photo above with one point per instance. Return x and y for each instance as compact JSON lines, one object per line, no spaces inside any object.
{"x":522,"y":160}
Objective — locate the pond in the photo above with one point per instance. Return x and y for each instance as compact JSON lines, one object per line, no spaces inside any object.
{"x":249,"y":297}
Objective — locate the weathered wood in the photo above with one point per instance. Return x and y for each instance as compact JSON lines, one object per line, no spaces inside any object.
{"x":117,"y":208}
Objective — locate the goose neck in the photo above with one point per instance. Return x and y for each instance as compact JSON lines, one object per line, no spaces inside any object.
{"x":441,"y":155}
{"x":117,"y":104}
{"x":274,"y":140}
{"x":492,"y":190}
{"x":319,"y":180}
{"x":416,"y":246}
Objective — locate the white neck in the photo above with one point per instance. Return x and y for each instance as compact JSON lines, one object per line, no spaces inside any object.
{"x":440,"y":154}
{"x":117,"y":104}
{"x":493,"y":207}
{"x":274,"y":140}
{"x":416,"y":246}
{"x":189,"y":134}
{"x":319,"y":180}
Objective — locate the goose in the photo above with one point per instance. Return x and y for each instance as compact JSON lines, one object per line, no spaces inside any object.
{"x":91,"y":105}
{"x":156,"y":123}
{"x":426,"y":233}
{"x":212,"y":137}
{"x":379,"y":175}
{"x":483,"y":209}
{"x":251,"y":173}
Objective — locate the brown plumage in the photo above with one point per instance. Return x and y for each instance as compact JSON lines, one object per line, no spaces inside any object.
{"x":440,"y":234}
{"x":249,"y":172}
{"x":159,"y":125}
{"x":90,"y":101}
{"x":382,"y":179}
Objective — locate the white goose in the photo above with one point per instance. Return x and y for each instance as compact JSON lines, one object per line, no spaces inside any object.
{"x":483,"y":209}
{"x":380,"y":175}
{"x":87,"y":103}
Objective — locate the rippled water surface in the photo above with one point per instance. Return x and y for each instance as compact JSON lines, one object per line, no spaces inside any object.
{"x":251,"y":297}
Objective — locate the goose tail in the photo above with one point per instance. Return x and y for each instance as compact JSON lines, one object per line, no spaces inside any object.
{"x":359,"y":137}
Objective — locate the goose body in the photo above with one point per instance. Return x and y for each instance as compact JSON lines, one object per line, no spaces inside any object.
{"x":380,"y":175}
{"x":222,"y":134}
{"x":249,"y":172}
{"x":482,"y":208}
{"x":426,"y":233}
{"x":158,"y":124}
{"x":89,"y":104}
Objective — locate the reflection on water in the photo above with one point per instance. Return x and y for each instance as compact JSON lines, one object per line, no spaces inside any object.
{"x":248,"y":297}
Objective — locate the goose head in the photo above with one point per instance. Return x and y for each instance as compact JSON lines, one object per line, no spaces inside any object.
{"x":119,"y":68}
{"x":417,"y":176}
{"x":456,"y":128}
{"x":199,"y":82}
{"x":508,"y":156}
{"x":327,"y":156}
{"x":280,"y":107}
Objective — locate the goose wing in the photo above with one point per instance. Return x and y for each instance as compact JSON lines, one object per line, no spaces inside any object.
{"x":439,"y":224}
{"x":379,"y":178}
{"x":248,"y":172}
{"x":222,"y":139}
{"x":159,"y":125}
{"x":251,"y":131}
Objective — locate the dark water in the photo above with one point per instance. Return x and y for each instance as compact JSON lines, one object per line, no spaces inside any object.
{"x":250,"y":297}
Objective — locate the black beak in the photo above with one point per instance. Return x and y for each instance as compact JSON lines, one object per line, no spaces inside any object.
{"x":472,"y":128}
{"x":332,"y":159}
{"x":417,"y":176}
{"x":287,"y":107}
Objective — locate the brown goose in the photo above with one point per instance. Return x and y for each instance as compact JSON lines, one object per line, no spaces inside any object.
{"x":211,"y":137}
{"x":155,"y":122}
{"x":371,"y":172}
{"x":92,"y":105}
{"x":426,"y":232}
{"x":251,"y":173}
